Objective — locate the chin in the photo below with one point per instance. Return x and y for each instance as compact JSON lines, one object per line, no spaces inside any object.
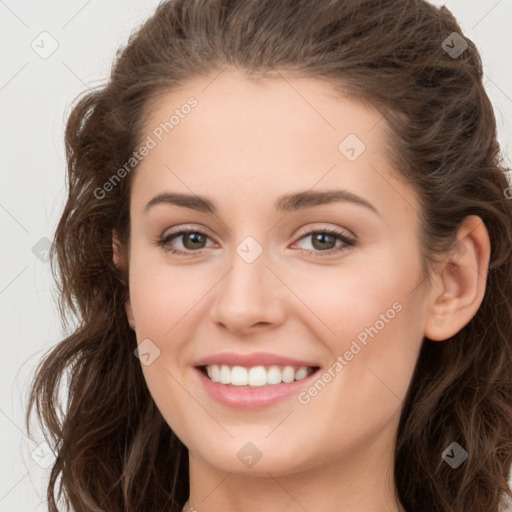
{"x":256,"y":458}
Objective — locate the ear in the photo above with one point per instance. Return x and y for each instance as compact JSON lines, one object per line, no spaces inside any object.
{"x":121,"y":262}
{"x":459,"y":283}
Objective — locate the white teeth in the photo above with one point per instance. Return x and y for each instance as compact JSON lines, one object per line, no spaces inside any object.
{"x":288,"y":374}
{"x":239,"y":376}
{"x":274,"y":375}
{"x":257,"y":375}
{"x":301,"y":373}
{"x":225,"y":375}
{"x":213,"y":372}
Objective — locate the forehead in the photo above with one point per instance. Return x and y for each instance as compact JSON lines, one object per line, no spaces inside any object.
{"x":276,"y":135}
{"x":231,"y":106}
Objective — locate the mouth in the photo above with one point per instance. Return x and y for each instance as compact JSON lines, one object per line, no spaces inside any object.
{"x":256,"y":376}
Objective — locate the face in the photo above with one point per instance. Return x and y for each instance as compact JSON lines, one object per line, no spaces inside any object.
{"x":272,"y":271}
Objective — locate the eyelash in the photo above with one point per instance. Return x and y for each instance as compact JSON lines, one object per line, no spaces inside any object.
{"x":348,"y":242}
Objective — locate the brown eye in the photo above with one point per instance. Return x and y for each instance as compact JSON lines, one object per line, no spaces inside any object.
{"x":192,"y":240}
{"x":324,"y":242}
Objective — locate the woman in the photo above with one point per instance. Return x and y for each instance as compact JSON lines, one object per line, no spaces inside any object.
{"x":339,"y":339}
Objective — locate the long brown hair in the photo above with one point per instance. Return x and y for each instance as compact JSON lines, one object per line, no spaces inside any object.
{"x":114,"y":450}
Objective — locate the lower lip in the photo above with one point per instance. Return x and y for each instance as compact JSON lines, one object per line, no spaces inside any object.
{"x":252,"y":398}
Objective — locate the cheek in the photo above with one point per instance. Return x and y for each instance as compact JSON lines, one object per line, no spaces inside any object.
{"x":357,"y":294}
{"x":162,"y":294}
{"x":163,"y":299}
{"x":373,"y":361}
{"x":371,"y":316}
{"x":377,"y":372}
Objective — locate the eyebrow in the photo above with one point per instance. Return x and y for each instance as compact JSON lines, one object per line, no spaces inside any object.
{"x":286,"y":203}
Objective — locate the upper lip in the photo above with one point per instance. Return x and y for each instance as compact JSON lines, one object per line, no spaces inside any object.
{"x":253,"y":359}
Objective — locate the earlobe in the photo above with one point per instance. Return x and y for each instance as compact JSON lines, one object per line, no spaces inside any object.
{"x":460,"y":281}
{"x":129,"y":314}
{"x":119,"y":258}
{"x":117,"y":252}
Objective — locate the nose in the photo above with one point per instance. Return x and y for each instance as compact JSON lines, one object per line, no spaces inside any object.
{"x":249,"y":297}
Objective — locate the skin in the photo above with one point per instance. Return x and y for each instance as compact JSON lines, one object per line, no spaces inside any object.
{"x":243,"y":146}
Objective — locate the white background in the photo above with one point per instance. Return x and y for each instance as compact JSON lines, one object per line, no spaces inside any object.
{"x":35,"y":95}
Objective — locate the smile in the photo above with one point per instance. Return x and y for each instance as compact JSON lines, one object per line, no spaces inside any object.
{"x":256,"y":376}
